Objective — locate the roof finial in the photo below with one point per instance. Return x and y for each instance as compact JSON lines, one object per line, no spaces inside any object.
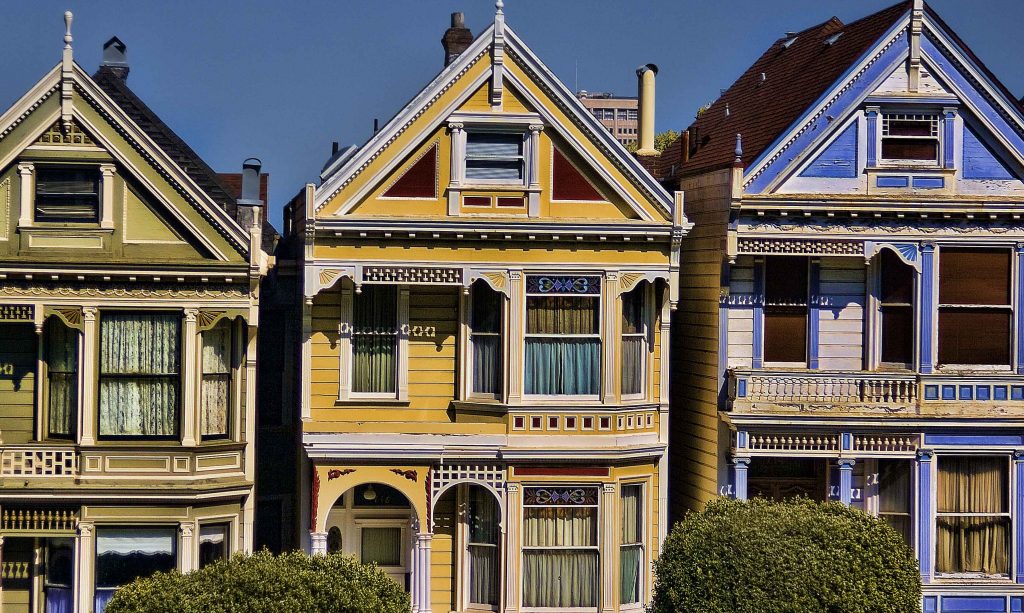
{"x":739,"y":150}
{"x":68,"y":16}
{"x":498,"y":6}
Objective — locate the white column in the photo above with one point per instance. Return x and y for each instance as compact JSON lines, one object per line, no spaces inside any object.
{"x":513,"y":584}
{"x":533,"y":171}
{"x":188,"y":555}
{"x":319,"y":542}
{"x":27,"y":205}
{"x":458,"y":167}
{"x":190,"y":374}
{"x":608,"y":555}
{"x":89,"y":364}
{"x":1,"y":566}
{"x":516,"y":332}
{"x":421,"y":572}
{"x":107,"y":196}
{"x":403,"y":342}
{"x":609,"y":344}
{"x":83,"y":574}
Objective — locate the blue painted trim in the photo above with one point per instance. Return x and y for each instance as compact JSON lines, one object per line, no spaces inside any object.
{"x":980,"y":161}
{"x":1016,"y":604}
{"x":966,"y":393}
{"x":892,"y":181}
{"x":1020,"y":310}
{"x":844,"y":102}
{"x":927,"y":301}
{"x":742,"y":439}
{"x":949,"y":392}
{"x":1017,"y":392}
{"x":839,"y":159}
{"x":982,"y":392}
{"x":931,"y":604}
{"x":872,"y":143}
{"x":974,"y":439}
{"x":741,"y":388}
{"x":999,"y":392}
{"x":1018,"y":465}
{"x":739,"y":478}
{"x":974,"y":604}
{"x":922,"y":101}
{"x":847,"y":441}
{"x":947,"y":139}
{"x":925,"y":550}
{"x":757,"y":351}
{"x":846,"y":481}
{"x":814,"y":315}
{"x":931,"y":392}
{"x":929,"y":182}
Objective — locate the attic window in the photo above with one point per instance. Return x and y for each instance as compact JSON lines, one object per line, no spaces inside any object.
{"x":67,"y":194}
{"x":910,"y":138}
{"x":495,"y":157}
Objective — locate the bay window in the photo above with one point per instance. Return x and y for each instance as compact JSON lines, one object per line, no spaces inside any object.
{"x":560,"y":550}
{"x":631,"y":550}
{"x":975,"y":309}
{"x":896,"y":310}
{"x":217,"y":364}
{"x":375,"y":340}
{"x":634,"y":340}
{"x":126,"y":554}
{"x":785,"y":309}
{"x":139,"y":379}
{"x":563,"y":339}
{"x":973,"y":516}
{"x":485,"y":340}
{"x":213,"y":544}
{"x":495,"y":157}
{"x":483,"y":547}
{"x":61,"y":353}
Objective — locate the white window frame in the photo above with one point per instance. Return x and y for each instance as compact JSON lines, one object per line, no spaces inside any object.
{"x":871,"y":492}
{"x":933,"y":116}
{"x":642,"y":591}
{"x":346,"y":347}
{"x":502,"y":335}
{"x":522,"y":158}
{"x":646,"y":335}
{"x":463,"y":542}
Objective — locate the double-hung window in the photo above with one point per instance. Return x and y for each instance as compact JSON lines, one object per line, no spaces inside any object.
{"x":975,"y":308}
{"x":217,"y":366}
{"x":634,"y":340}
{"x":561,"y":567}
{"x":973,"y":516}
{"x":485,"y":340}
{"x":483,"y":546}
{"x":896,"y":310}
{"x":375,"y":340}
{"x":67,"y":194}
{"x":495,"y":157}
{"x":563,"y":335}
{"x":910,"y":138}
{"x":213,"y":543}
{"x":785,"y":309}
{"x":893,"y":485}
{"x":140,"y":371}
{"x":631,"y":550}
{"x":61,"y":353}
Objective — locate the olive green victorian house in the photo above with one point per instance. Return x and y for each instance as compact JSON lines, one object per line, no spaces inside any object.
{"x":129,"y":278}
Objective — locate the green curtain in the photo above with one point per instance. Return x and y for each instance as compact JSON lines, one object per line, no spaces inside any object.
{"x":375,"y":339}
{"x":139,"y":373}
{"x":216,"y":385}
{"x":633,"y":337}
{"x":975,"y":544}
{"x":62,"y":384}
{"x":631,"y":550}
{"x":563,"y":366}
{"x":382,"y":546}
{"x":560,"y":577}
{"x":484,"y":546}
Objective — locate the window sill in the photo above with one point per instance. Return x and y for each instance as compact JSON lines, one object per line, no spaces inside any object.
{"x":357,"y":401}
{"x":480,"y":404}
{"x":960,"y":578}
{"x":974,"y":368}
{"x":63,"y":226}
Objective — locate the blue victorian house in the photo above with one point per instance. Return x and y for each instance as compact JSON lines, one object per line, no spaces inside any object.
{"x":851,"y":318}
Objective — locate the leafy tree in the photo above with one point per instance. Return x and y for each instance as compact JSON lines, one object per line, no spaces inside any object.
{"x":797,"y":556}
{"x":661,"y":141}
{"x":263,"y":583}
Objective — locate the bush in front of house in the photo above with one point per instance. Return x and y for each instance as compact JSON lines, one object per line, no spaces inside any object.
{"x":263,"y":583}
{"x":797,"y":556}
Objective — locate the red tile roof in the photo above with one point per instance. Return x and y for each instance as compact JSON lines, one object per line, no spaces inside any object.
{"x":795,"y":76}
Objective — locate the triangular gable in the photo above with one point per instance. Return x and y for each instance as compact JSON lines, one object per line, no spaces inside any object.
{"x":568,"y":183}
{"x":980,"y":161}
{"x":419,"y":180}
{"x":839,"y":158}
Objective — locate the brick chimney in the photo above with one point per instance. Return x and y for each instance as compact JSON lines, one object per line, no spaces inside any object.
{"x":115,"y":57}
{"x":456,"y":39}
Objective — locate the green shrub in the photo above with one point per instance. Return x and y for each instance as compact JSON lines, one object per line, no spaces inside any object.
{"x":263,"y":583}
{"x":798,"y":556}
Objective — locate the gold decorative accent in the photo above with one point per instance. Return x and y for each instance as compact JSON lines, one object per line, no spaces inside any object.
{"x":137,"y":290}
{"x":629,"y":280}
{"x":17,"y":312}
{"x":206,"y":319}
{"x":498,"y":280}
{"x":38,"y":520}
{"x":327,"y":276}
{"x":72,"y":317}
{"x":56,"y":135}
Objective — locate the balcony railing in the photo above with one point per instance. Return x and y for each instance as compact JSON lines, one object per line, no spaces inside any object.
{"x":822,"y":387}
{"x":38,"y":462}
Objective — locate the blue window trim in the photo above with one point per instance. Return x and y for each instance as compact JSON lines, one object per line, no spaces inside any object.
{"x":757,"y":351}
{"x":927,"y":314}
{"x":813,"y":313}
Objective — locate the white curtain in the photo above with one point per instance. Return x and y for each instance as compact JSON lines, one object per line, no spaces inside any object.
{"x":554,"y":576}
{"x":139,"y":373}
{"x":216,"y":386}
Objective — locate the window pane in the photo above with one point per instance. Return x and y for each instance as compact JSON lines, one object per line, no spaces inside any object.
{"x":382,"y":546}
{"x":973,"y":545}
{"x":894,"y":495}
{"x":67,"y":194}
{"x":973,"y":484}
{"x":631,"y":551}
{"x":374,"y":339}
{"x":897,"y":279}
{"x":910,"y":127}
{"x":785,"y":280}
{"x":484,"y":552}
{"x":139,"y":374}
{"x":974,"y":276}
{"x":491,"y":144}
{"x":633,"y":310}
{"x":494,"y":170}
{"x":486,"y":308}
{"x":62,"y":375}
{"x":485,"y":337}
{"x":925,"y":150}
{"x":785,"y":334}
{"x":897,"y":334}
{"x":216,"y":385}
{"x":562,"y":315}
{"x":633,"y":364}
{"x":560,"y":527}
{"x":563,"y":367}
{"x":58,"y":580}
{"x":213,"y":544}
{"x":974,"y":336}
{"x":123,"y":555}
{"x":560,"y":579}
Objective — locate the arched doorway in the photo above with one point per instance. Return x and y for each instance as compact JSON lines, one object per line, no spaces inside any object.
{"x":467,"y":522}
{"x":374,"y":523}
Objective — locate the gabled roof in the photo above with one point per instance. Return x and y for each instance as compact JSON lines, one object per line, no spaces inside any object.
{"x":797,"y":70}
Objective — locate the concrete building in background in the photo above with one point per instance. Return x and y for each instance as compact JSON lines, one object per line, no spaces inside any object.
{"x":619,"y":114}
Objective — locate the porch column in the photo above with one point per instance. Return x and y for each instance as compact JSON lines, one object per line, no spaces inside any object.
{"x":187,"y":556}
{"x":1,"y":576}
{"x":925,"y":550}
{"x":83,"y":575}
{"x":421,"y":572}
{"x":608,"y":548}
{"x":189,"y":389}
{"x":87,"y":403}
{"x":512,"y":587}
{"x":927,"y":307}
{"x":1018,"y":471}
{"x":846,"y":480}
{"x":318,"y":542}
{"x":739,"y":477}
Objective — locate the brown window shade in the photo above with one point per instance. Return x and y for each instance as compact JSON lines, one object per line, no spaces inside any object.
{"x":568,"y":183}
{"x":974,"y":336}
{"x":419,"y":181}
{"x":974,"y":276}
{"x":785,"y":334}
{"x":925,"y":150}
{"x":785,"y":280}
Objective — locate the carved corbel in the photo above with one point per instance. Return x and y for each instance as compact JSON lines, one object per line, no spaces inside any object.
{"x":497,"y":279}
{"x":908,"y":253}
{"x":319,"y":278}
{"x":70,"y":316}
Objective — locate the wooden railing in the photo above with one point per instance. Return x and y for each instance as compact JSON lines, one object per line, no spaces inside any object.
{"x":822,"y":387}
{"x":38,"y":462}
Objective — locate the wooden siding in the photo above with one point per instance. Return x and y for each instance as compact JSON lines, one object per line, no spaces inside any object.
{"x":741,"y":313}
{"x":17,"y":382}
{"x":841,"y":324}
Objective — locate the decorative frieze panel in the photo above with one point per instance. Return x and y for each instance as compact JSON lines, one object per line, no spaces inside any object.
{"x":793,"y":442}
{"x":57,"y":135}
{"x":553,"y":284}
{"x":38,"y":520}
{"x":38,"y":463}
{"x":445,"y":475}
{"x":561,"y":423}
{"x":124,"y":290}
{"x":560,"y":496}
{"x":412,"y":275}
{"x":853,"y":388}
{"x":17,"y":313}
{"x":886,"y":443}
{"x":771,"y":246}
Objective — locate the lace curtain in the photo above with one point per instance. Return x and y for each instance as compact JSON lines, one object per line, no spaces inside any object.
{"x":374,"y":339}
{"x":139,"y":373}
{"x":216,"y":386}
{"x":62,"y":378}
{"x":563,"y":349}
{"x":976,"y":543}
{"x":557,"y":577}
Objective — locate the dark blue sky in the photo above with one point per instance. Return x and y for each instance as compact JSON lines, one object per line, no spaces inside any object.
{"x":282,"y":79}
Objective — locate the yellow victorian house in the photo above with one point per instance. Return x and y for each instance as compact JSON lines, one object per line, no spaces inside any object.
{"x":487,"y":292}
{"x":129,"y":277}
